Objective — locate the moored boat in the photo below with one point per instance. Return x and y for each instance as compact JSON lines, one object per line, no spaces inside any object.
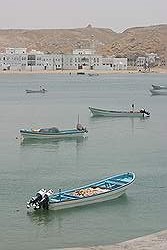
{"x":100,"y":191}
{"x":41,"y":90}
{"x":53,"y":133}
{"x":158,"y":91}
{"x":114,"y":113}
{"x":157,"y":87}
{"x":93,"y":74}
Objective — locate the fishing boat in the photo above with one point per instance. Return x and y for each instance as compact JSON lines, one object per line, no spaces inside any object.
{"x":41,"y":90}
{"x":53,"y":133}
{"x":80,"y":73}
{"x":158,"y":91}
{"x":99,"y":191}
{"x":157,"y":87}
{"x":93,"y":74}
{"x":113,"y":113}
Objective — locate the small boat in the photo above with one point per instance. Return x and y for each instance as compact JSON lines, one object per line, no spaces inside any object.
{"x":99,"y":191}
{"x":157,"y":87}
{"x":113,"y":113}
{"x":93,"y":74}
{"x":81,"y":73}
{"x":158,"y":91}
{"x":53,"y":133}
{"x":41,"y":90}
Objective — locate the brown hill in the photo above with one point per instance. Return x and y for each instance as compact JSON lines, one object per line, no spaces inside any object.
{"x":133,"y":41}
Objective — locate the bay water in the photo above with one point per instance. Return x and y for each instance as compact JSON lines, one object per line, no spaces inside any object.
{"x":113,"y":145}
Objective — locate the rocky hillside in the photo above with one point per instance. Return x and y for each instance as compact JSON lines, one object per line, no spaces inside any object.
{"x":133,"y":41}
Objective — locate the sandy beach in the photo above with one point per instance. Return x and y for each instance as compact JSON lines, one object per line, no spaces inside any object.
{"x":157,"y":241}
{"x":159,"y":70}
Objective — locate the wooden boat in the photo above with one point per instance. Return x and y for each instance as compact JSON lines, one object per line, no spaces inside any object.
{"x":158,"y":91}
{"x":113,"y":113}
{"x":157,"y":87}
{"x":53,"y":133}
{"x":100,"y":191}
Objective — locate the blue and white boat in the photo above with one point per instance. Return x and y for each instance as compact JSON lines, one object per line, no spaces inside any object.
{"x":99,"y":191}
{"x":53,"y":133}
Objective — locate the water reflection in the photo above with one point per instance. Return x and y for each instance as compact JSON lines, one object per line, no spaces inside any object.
{"x":129,"y":122}
{"x":55,"y":142}
{"x":61,"y":216}
{"x":41,"y":217}
{"x":106,"y":118}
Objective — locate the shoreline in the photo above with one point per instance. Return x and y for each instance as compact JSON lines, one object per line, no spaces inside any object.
{"x":156,"y":241}
{"x":86,"y":72}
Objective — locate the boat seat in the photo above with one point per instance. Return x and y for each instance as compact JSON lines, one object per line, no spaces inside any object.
{"x":70,"y":196}
{"x":123,"y":181}
{"x":109,"y":184}
{"x":118,"y":182}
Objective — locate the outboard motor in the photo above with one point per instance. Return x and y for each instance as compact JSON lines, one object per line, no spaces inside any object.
{"x":44,"y":203}
{"x":35,"y":201}
{"x":145,"y":112}
{"x":81,"y":128}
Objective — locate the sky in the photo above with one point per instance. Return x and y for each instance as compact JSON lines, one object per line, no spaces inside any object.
{"x":117,"y":15}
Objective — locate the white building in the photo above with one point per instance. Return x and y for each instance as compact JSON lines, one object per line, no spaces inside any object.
{"x":84,"y":52}
{"x":13,"y":61}
{"x":19,"y":59}
{"x":16,"y":51}
{"x":112,"y":63}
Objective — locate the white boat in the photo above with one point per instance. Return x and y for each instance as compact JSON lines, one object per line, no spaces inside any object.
{"x":158,"y":87}
{"x":99,"y":191}
{"x":114,"y":113}
{"x":53,"y":133}
{"x":158,"y":91}
{"x":41,"y":90}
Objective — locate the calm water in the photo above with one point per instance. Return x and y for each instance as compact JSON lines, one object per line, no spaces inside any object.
{"x":114,"y":145}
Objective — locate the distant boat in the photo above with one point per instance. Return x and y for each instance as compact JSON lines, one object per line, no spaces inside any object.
{"x":80,"y":73}
{"x":53,"y":133}
{"x":158,"y":91}
{"x":100,"y":191}
{"x":158,"y":87}
{"x":41,"y":90}
{"x":93,"y":74}
{"x":114,"y":113}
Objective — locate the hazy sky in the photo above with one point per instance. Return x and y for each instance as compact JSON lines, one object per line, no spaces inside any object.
{"x":117,"y":15}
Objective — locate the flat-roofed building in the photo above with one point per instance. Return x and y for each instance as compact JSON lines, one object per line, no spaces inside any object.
{"x":17,"y":59}
{"x":16,"y":51}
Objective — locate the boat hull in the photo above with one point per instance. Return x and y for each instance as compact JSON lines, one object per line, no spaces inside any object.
{"x":100,"y":191}
{"x":158,"y":92}
{"x":90,"y":200}
{"x":37,"y":135}
{"x":28,"y":91}
{"x":158,"y":87}
{"x":102,"y":112}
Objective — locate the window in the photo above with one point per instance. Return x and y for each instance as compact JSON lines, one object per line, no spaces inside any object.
{"x":31,"y":57}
